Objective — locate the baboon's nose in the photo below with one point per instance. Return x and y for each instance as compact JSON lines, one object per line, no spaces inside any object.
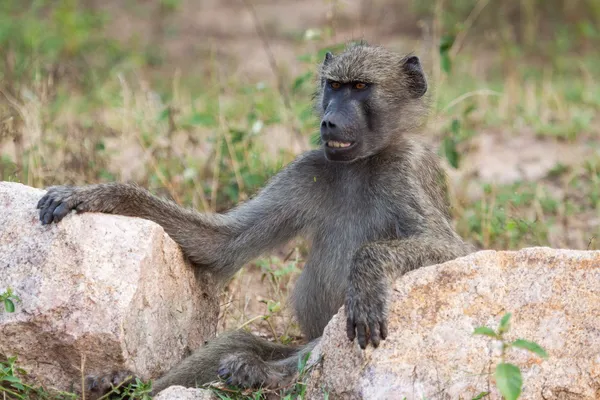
{"x":327,"y":124}
{"x":330,"y":128}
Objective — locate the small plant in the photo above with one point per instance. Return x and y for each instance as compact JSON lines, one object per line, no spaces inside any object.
{"x":298,"y":390}
{"x":9,"y":298}
{"x":508,"y":376}
{"x":138,"y":390}
{"x":450,"y":144}
{"x":13,"y":386}
{"x":446,"y":43}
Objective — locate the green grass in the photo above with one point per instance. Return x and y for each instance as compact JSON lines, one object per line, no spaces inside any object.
{"x":13,"y":384}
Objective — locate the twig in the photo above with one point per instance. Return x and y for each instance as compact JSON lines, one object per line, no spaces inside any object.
{"x":236,"y":166}
{"x":216,"y":173}
{"x":460,"y":38}
{"x":114,"y":388}
{"x":5,"y":391}
{"x":480,"y":92}
{"x":83,"y":376}
{"x":272,"y":62}
{"x":251,"y":320}
{"x":591,"y":242}
{"x":287,"y":257}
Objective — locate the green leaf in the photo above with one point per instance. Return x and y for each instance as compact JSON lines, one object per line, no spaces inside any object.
{"x":301,"y":80}
{"x":480,"y":396}
{"x":449,"y":147}
{"x":203,"y":119}
{"x":508,"y":380}
{"x":446,"y":63}
{"x":12,"y":379}
{"x":164,"y":114}
{"x":274,"y":307}
{"x":302,"y":362}
{"x":305,"y":58}
{"x":504,"y":323}
{"x":100,"y":146}
{"x":531,"y":346}
{"x":469,"y":110}
{"x":455,"y":127}
{"x":446,"y":43}
{"x":9,"y":305}
{"x":222,"y":396}
{"x":484,"y":330}
{"x":511,"y":225}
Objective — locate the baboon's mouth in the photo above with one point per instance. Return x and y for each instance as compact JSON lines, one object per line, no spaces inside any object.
{"x":336,"y":144}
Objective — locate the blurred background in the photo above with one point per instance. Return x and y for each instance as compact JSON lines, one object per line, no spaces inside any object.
{"x":202,"y":101}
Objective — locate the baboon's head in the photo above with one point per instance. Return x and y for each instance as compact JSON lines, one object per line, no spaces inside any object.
{"x":367,"y":97}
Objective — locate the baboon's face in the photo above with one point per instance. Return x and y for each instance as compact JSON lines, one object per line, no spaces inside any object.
{"x":347,"y":117}
{"x":367,"y":96}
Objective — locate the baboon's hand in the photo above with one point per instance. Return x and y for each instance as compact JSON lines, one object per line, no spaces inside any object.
{"x":367,"y":299}
{"x":58,"y":202}
{"x":366,"y":316}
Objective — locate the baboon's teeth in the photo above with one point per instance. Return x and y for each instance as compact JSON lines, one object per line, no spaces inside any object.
{"x":333,"y":143}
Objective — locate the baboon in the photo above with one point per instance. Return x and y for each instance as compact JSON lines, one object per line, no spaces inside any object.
{"x":371,"y":200}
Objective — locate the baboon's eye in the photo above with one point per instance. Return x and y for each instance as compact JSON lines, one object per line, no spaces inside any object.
{"x":360,"y":85}
{"x":335,"y":85}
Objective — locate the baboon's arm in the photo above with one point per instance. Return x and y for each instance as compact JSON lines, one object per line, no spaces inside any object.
{"x":221,"y":242}
{"x":374,"y":268}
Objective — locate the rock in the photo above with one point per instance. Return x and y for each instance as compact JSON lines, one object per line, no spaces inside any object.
{"x":431,"y":353}
{"x":112,"y":289}
{"x":181,"y":393}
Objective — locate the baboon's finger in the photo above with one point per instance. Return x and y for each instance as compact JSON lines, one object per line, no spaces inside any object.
{"x":48,"y":210}
{"x":350,"y":328}
{"x":44,"y":207}
{"x":42,"y":201}
{"x":384,"y":329}
{"x":361,"y":330}
{"x":91,"y":382}
{"x":60,"y":212}
{"x":223,"y":372}
{"x":375,"y":338}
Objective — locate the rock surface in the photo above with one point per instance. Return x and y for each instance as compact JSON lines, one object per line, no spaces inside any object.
{"x":112,"y":289}
{"x":181,"y":393}
{"x":430,"y":353}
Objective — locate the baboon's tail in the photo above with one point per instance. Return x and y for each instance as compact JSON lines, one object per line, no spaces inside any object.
{"x":240,"y":358}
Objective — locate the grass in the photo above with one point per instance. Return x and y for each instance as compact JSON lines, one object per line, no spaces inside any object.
{"x":78,"y":108}
{"x":13,"y":384}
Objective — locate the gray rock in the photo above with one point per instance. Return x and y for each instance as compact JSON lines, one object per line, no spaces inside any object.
{"x":113,"y":290}
{"x":431,"y":353}
{"x":181,"y":393}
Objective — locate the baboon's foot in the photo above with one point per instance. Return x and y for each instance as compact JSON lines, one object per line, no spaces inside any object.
{"x":100,"y":385}
{"x":246,"y":370}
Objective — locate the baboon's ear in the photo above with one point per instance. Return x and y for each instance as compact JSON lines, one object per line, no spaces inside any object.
{"x":328,"y":58}
{"x":417,"y":83}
